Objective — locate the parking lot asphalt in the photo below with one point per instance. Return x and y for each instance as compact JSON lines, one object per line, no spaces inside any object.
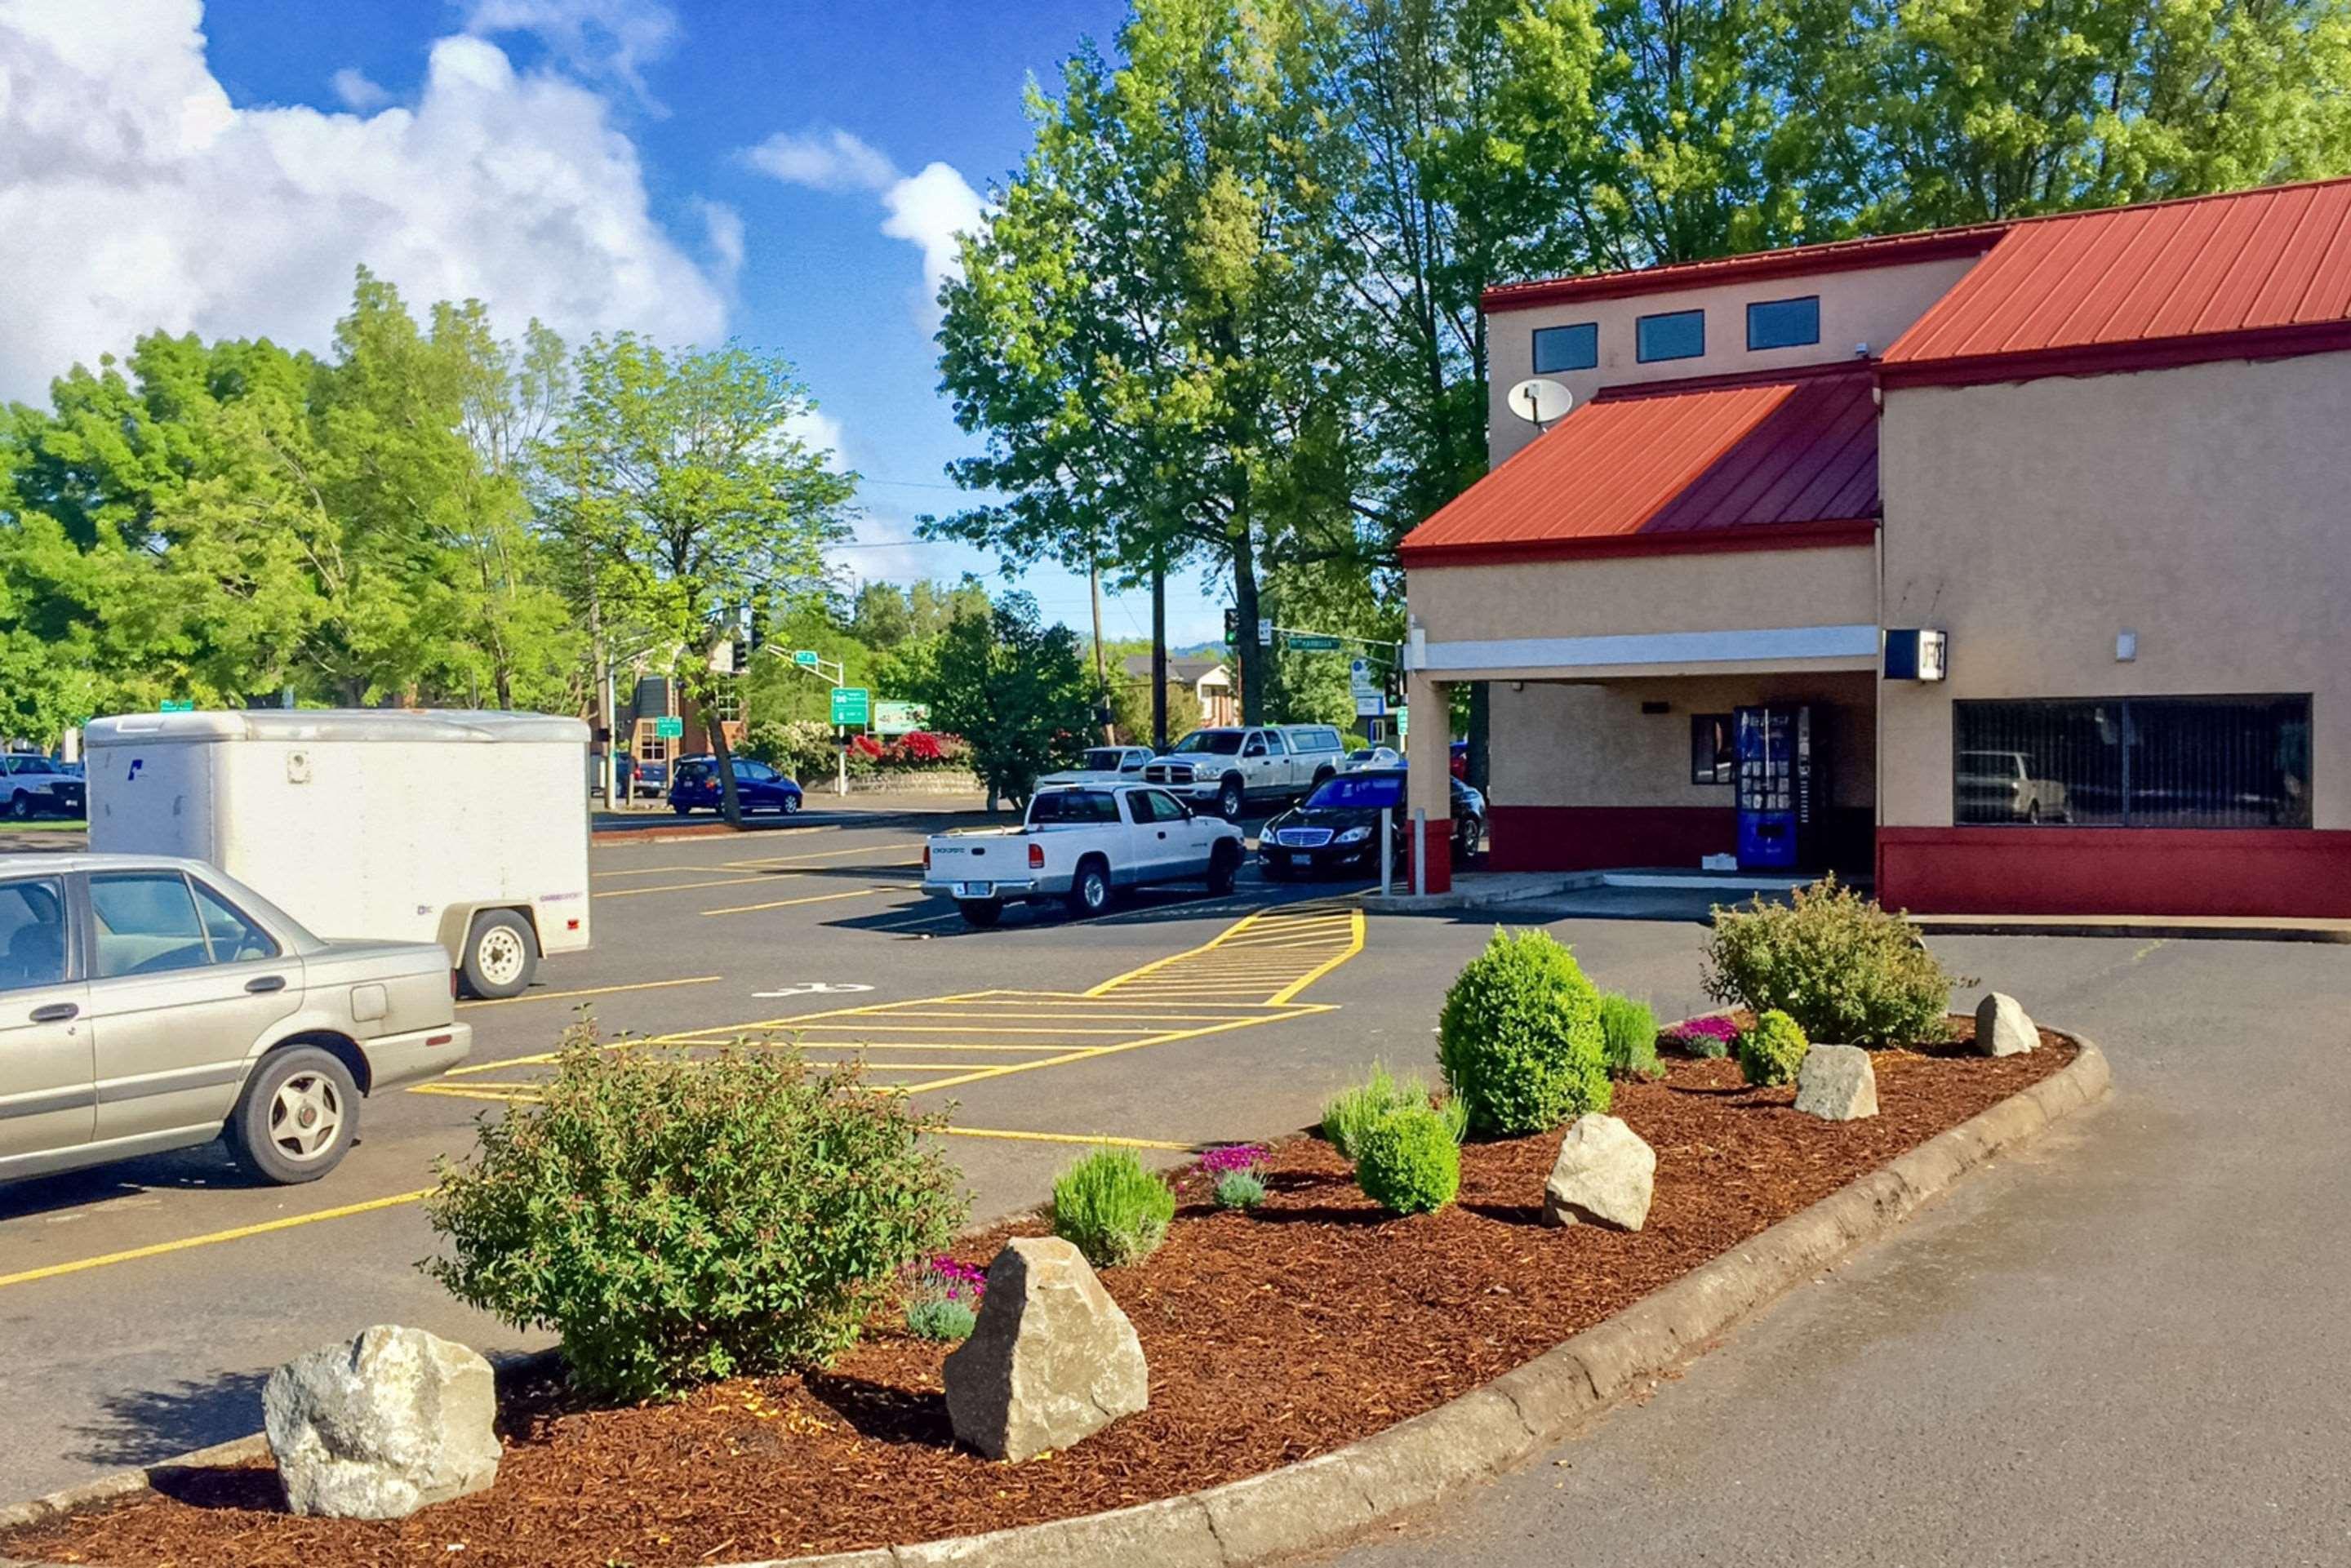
{"x":143,"y":1303}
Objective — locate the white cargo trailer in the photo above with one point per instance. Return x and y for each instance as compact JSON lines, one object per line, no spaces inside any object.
{"x":466,"y":827}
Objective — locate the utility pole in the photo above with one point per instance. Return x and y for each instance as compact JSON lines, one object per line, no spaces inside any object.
{"x":1102,"y":676}
{"x":1158,"y":653}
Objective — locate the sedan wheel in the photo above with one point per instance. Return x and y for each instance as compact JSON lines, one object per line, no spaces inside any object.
{"x":791,"y":804}
{"x":20,"y":805}
{"x":297,"y":1117}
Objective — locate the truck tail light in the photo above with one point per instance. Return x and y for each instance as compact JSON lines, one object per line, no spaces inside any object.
{"x":926,"y":857}
{"x":1036,"y":857}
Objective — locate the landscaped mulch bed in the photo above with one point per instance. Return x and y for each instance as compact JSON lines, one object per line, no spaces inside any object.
{"x":1272,"y":1336}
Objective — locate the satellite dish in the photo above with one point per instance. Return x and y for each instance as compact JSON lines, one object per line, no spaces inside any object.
{"x":1541,"y":402}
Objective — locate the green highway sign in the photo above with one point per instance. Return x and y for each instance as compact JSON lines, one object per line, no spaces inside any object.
{"x":804,"y":657}
{"x":898,"y":717}
{"x":1313,"y":643}
{"x":669,"y":729}
{"x":852,"y":705}
{"x":178,"y":705}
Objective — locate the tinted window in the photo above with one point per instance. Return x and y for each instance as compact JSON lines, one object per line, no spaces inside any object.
{"x":2140,"y":762}
{"x":1679,"y":335}
{"x":233,"y":937}
{"x":1073,"y":806}
{"x":32,"y":935}
{"x":1359,"y":792}
{"x":1314,"y":740}
{"x":1784,"y":323}
{"x":1575,"y":347}
{"x":1222,"y":742}
{"x":1256,"y":746}
{"x":146,"y":924}
{"x":693,"y":772}
{"x":1104,"y":760}
{"x":757,"y":772}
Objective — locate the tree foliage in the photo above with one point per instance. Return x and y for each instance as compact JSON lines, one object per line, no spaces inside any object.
{"x":1016,"y":690}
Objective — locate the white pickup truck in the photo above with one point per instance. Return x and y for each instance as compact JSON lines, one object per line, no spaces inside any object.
{"x":1227,"y":768}
{"x":1078,"y":845}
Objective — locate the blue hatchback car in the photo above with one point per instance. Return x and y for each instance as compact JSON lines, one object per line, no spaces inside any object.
{"x":693,"y":787}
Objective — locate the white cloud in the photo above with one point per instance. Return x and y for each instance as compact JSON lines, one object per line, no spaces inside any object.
{"x":722,"y":230}
{"x":355,"y":91}
{"x":927,"y":209}
{"x":135,"y":195}
{"x":820,"y":432}
{"x":613,"y":39}
{"x":822,"y":161}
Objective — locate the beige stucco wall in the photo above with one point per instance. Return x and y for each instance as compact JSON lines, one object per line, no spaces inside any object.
{"x":1561,"y":745}
{"x":1637,"y":595}
{"x":1870,"y":306}
{"x":2206,"y":507}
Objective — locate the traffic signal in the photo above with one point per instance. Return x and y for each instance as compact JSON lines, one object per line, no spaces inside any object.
{"x":1232,"y":627}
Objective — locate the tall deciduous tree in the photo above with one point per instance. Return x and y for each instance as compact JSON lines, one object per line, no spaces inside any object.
{"x":678,"y":480}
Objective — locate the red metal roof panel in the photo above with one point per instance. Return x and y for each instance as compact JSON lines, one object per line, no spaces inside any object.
{"x":2264,"y":261}
{"x":1643,"y":463}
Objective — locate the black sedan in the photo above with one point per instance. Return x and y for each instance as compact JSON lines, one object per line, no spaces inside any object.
{"x":1337,"y":828}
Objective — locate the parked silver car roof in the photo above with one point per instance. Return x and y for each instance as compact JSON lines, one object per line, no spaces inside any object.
{"x":299,"y":936}
{"x":476,"y":725}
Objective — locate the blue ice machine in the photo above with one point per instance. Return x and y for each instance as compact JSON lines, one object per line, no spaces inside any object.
{"x":1780,"y":773}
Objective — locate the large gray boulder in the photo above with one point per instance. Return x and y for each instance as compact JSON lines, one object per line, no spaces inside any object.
{"x":396,"y":1420}
{"x":1837,"y":1083}
{"x":1604,"y":1175}
{"x":2002,"y":1029}
{"x":1052,"y":1360}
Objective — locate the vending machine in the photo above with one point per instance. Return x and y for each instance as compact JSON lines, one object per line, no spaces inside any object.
{"x":1781,"y":775}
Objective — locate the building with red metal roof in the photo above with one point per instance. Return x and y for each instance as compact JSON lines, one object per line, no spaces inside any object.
{"x":2006,"y":564}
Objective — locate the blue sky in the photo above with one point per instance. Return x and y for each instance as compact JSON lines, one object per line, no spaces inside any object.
{"x":788,"y":173}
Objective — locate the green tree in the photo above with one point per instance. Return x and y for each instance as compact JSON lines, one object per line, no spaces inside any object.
{"x":1016,"y":690}
{"x":883,"y":618}
{"x":678,"y":483}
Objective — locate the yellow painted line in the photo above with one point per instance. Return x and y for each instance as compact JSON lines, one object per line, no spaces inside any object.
{"x":803,"y":859}
{"x":778,"y":869}
{"x":690,"y":886}
{"x":1298,"y":1011}
{"x":882,"y":1021}
{"x":1354,"y":946}
{"x":160,"y":1248}
{"x":591,"y":992}
{"x":787,"y":903}
{"x":1154,"y":1015}
{"x":1090,"y":1140}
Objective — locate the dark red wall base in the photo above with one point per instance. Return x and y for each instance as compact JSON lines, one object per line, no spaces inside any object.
{"x":2114,"y":871}
{"x":1602,"y":837}
{"x":1440,"y":859}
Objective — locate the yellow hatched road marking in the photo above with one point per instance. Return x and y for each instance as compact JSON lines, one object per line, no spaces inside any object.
{"x":53,"y":1270}
{"x":884,"y":1021}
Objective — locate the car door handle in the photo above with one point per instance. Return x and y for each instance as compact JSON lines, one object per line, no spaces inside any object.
{"x":56,"y":1012}
{"x":1163,"y":832}
{"x":265,"y":983}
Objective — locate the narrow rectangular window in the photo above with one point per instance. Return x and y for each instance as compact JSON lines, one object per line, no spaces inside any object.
{"x":2137,"y":762}
{"x":1784,"y":323}
{"x":1575,"y":347}
{"x":1713,"y":760}
{"x":1678,"y":335}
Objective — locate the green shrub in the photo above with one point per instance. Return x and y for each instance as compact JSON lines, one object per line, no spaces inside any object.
{"x":1112,"y":1209}
{"x":1349,"y":1114}
{"x":1409,"y":1163}
{"x":1628,"y":1035}
{"x":936,"y":1317}
{"x":677,"y":1220}
{"x":1519,"y":1038}
{"x":1774,"y":1051}
{"x":1240,"y":1189}
{"x":1844,"y":968}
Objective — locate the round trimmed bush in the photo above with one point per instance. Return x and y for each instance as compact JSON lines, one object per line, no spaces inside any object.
{"x":1409,"y":1162}
{"x":1519,"y":1038}
{"x":1774,"y":1051}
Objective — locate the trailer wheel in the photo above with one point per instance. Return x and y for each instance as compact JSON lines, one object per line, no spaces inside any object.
{"x":501,"y":956}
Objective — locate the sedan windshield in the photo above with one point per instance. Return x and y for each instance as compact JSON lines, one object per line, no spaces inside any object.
{"x":1223,"y":742}
{"x":1358,"y":793}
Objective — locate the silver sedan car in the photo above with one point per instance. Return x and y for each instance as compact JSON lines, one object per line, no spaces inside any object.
{"x":149,"y":1003}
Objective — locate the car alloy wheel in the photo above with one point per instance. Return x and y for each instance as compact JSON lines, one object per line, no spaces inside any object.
{"x":305,"y":1117}
{"x":20,"y":805}
{"x":791,"y":805}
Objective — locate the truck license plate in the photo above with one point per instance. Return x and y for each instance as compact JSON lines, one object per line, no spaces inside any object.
{"x":975,"y":889}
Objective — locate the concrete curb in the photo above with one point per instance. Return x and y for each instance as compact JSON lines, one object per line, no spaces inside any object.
{"x":2187,"y":928}
{"x":1327,"y":1499}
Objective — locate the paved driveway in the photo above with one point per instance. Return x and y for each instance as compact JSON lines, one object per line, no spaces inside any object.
{"x":2122,"y":1346}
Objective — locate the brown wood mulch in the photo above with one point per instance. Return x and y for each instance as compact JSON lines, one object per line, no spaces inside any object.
{"x":1272,"y":1336}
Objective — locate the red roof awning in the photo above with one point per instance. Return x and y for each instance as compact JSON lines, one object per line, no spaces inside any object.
{"x":1757,"y":466}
